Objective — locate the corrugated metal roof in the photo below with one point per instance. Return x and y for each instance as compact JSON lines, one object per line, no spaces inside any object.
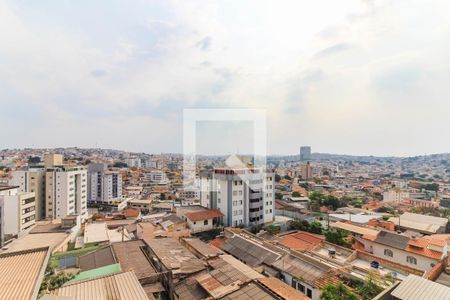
{"x":299,"y":268}
{"x":21,"y":273}
{"x":98,"y":272}
{"x":418,"y":288}
{"x":248,"y":251}
{"x":124,"y":286}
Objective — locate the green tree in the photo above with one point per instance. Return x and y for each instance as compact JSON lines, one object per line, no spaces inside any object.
{"x":299,"y":225}
{"x":337,"y":292}
{"x":162,"y":196}
{"x":296,"y":194}
{"x":337,"y":236}
{"x":369,"y":289}
{"x":278,"y":196}
{"x":315,"y":227}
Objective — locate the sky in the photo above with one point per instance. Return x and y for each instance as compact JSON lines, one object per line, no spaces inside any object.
{"x":350,"y":76}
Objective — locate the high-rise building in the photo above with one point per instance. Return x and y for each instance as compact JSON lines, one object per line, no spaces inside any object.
{"x":307,"y":171}
{"x":104,"y":186}
{"x":32,"y":180}
{"x":305,"y":153}
{"x":17,"y":212}
{"x":60,"y":190}
{"x":244,"y":195}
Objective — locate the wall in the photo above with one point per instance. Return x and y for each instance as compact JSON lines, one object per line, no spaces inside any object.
{"x":199,"y":225}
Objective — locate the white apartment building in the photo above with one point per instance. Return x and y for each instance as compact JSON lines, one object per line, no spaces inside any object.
{"x":60,"y":190}
{"x":133,"y":162}
{"x":104,"y":186}
{"x":158,"y":177}
{"x":17,"y":212}
{"x":395,"y":195}
{"x":244,"y":195}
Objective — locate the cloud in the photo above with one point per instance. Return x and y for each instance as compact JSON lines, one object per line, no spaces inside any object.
{"x":204,"y":44}
{"x":98,"y":73}
{"x":129,"y":70}
{"x":332,"y":50}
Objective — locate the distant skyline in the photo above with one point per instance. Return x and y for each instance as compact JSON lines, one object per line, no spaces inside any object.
{"x":356,"y":77}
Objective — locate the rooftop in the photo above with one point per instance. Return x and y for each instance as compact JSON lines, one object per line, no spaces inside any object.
{"x":204,"y":215}
{"x":300,"y":268}
{"x":22,"y":273}
{"x":392,"y":239}
{"x":354,"y":228}
{"x":418,"y":288}
{"x":355,"y":218}
{"x":301,"y":241}
{"x":124,"y":286}
{"x":37,"y":240}
{"x":249,"y":251}
{"x":99,"y":258}
{"x":174,"y":256}
{"x":282,"y":289}
{"x":130,"y":255}
{"x":250,"y":291}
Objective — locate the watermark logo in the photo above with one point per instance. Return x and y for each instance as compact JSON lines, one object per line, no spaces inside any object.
{"x":190,"y":137}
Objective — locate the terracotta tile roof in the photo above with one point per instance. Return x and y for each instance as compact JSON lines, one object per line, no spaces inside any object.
{"x":424,"y":252}
{"x":420,"y":243}
{"x":204,"y":215}
{"x":217,"y":242}
{"x":283,"y":290}
{"x":301,"y":241}
{"x":329,"y":277}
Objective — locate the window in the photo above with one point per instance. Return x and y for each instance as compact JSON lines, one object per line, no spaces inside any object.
{"x":411,"y":260}
{"x":309,"y":293}
{"x":205,"y":222}
{"x":388,"y":252}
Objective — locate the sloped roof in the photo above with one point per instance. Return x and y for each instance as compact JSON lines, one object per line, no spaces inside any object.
{"x":299,"y":268}
{"x":21,"y":273}
{"x":131,"y":258}
{"x":124,"y":286}
{"x":301,"y":241}
{"x":99,"y":258}
{"x":98,"y":272}
{"x":392,"y":239}
{"x":248,"y":251}
{"x":203,"y":215}
{"x":280,"y":288}
{"x":174,"y":256}
{"x":418,"y":288}
{"x":250,"y":291}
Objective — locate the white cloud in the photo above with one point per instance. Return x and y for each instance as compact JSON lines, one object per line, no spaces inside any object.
{"x":343,"y":76}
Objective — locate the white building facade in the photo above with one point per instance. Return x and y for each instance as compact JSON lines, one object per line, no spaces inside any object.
{"x":244,"y":195}
{"x":104,"y":186}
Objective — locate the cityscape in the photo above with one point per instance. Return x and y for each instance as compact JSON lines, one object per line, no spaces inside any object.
{"x":225,"y":150}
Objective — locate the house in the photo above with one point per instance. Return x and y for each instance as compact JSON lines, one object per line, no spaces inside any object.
{"x":199,"y":218}
{"x":420,"y":253}
{"x":306,"y":275}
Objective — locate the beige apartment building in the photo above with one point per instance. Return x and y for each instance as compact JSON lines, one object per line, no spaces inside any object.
{"x":60,"y":190}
